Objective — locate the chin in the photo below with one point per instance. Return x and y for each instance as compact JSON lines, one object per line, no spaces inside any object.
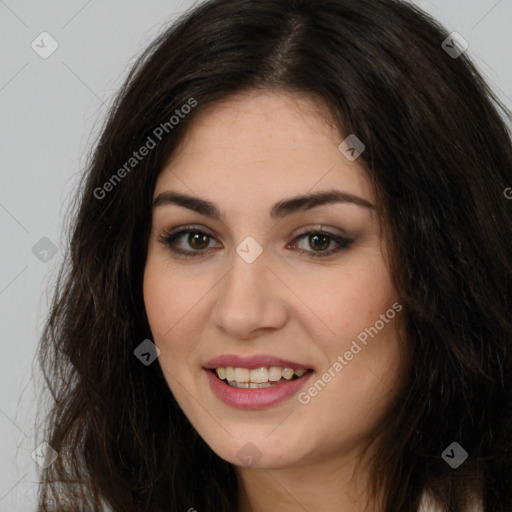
{"x":256,"y":449}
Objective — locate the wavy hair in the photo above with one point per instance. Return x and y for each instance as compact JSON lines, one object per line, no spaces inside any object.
{"x":439,"y":156}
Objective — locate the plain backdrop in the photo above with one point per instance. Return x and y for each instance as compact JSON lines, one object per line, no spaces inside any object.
{"x":51,"y":110}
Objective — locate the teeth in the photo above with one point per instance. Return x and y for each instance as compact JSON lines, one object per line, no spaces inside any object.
{"x":242,"y":374}
{"x":275,"y":373}
{"x":236,"y":384}
{"x":230,"y":373}
{"x":288,"y":373}
{"x":248,"y":385}
{"x":254,"y":385}
{"x":258,"y":377}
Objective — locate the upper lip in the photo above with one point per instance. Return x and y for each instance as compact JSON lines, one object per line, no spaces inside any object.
{"x":251,"y":362}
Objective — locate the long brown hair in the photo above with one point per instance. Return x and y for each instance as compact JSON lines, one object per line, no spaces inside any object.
{"x":439,"y":155}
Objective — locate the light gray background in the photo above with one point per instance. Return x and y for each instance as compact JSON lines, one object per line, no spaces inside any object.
{"x":51,"y":110}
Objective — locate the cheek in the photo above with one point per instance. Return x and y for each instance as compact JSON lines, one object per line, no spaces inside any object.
{"x":169,"y":303}
{"x":169,"y":294}
{"x":362,"y":357}
{"x":346,"y":303}
{"x":357,"y":384}
{"x":158,"y":300}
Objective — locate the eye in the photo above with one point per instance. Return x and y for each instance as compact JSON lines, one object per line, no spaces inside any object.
{"x":196,"y":239}
{"x":189,"y":241}
{"x":320,"y":240}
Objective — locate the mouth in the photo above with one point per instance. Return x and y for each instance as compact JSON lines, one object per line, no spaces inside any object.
{"x":258,"y":378}
{"x":258,"y":381}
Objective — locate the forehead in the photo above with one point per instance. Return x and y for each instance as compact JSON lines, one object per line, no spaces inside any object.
{"x":262,"y":145}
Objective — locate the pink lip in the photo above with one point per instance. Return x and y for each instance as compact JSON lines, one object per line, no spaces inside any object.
{"x":243,"y":398}
{"x":255,"y":398}
{"x":251,"y":362}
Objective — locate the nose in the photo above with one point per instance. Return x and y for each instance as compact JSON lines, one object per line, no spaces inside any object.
{"x":251,"y":300}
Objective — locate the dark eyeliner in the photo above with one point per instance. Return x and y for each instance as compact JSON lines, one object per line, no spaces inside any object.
{"x":168,"y":238}
{"x":343,"y":243}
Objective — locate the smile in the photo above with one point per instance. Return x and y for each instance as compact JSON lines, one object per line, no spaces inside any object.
{"x":255,"y":382}
{"x":257,"y":378}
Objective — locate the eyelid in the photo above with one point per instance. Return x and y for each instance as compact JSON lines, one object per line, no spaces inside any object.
{"x":322,"y":228}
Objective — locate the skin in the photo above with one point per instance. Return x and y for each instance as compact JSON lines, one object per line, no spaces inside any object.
{"x":245,"y":154}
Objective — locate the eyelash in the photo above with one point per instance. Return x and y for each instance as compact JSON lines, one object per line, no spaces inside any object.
{"x":169,"y":238}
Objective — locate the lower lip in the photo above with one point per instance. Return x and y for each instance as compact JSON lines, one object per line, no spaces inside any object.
{"x":243,"y":398}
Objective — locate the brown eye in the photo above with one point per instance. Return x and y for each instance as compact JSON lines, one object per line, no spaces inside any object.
{"x":198,"y":240}
{"x":319,"y":241}
{"x":187,"y":241}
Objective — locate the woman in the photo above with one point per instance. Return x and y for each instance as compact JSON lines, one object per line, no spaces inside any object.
{"x":290,"y":275}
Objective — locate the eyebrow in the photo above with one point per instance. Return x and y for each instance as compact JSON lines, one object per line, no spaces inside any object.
{"x":279,"y":210}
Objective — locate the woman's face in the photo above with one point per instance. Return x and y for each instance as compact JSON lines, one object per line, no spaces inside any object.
{"x":261,"y":278}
